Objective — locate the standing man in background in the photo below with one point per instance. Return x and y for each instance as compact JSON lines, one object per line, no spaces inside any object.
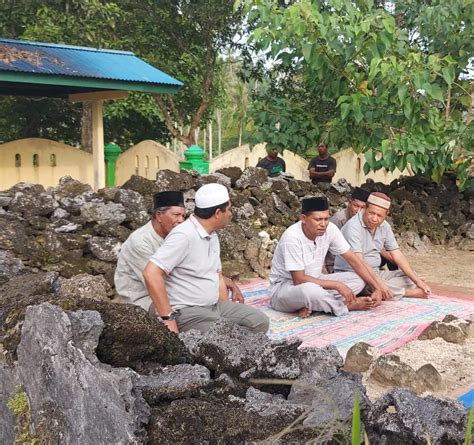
{"x":272,"y":163}
{"x":323,"y":167}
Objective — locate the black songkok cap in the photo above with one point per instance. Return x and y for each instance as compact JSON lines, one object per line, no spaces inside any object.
{"x":360,"y":194}
{"x":317,"y":204}
{"x":168,"y":199}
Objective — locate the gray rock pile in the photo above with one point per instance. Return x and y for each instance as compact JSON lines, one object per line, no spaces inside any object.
{"x":73,"y":230}
{"x":77,"y":368}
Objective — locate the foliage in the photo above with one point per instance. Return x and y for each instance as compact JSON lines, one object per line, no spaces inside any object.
{"x":470,"y":421}
{"x":183,"y":38}
{"x":19,"y":406}
{"x":355,"y":433}
{"x":389,"y":83}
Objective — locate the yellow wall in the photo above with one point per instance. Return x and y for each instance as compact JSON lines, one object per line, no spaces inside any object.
{"x":146,"y":158}
{"x":69,"y":161}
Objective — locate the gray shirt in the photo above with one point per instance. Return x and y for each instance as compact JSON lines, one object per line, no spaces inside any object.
{"x":190,"y":257}
{"x":133,"y":257}
{"x":363,"y":241}
{"x":340,"y":218}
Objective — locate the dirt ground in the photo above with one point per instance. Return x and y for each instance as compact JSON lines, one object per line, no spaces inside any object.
{"x":449,"y":272}
{"x":444,"y":266}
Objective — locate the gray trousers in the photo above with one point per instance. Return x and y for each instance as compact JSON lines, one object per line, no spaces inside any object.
{"x":203,"y":317}
{"x":290,"y":298}
{"x":396,"y":281}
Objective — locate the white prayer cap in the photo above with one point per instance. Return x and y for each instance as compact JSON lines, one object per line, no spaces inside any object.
{"x":211,"y":195}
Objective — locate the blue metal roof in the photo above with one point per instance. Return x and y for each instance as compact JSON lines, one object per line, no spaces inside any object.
{"x":65,"y":60}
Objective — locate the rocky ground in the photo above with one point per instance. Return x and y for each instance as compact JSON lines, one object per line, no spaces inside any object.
{"x":92,"y":371}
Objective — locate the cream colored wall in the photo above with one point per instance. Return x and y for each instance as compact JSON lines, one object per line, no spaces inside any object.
{"x":145,"y":159}
{"x":69,"y":161}
{"x":349,"y":164}
{"x":244,"y":157}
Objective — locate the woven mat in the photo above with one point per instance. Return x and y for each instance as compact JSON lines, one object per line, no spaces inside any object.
{"x":388,"y":327}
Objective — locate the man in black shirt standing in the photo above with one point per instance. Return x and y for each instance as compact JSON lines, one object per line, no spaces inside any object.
{"x":272,"y":163}
{"x":323,"y":167}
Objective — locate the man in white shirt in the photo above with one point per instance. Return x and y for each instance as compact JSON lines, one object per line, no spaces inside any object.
{"x":297,"y":283}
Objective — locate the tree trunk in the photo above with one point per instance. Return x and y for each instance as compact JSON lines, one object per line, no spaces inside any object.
{"x":86,"y":127}
{"x":209,"y":132}
{"x":219,"y":130}
{"x":241,"y":130}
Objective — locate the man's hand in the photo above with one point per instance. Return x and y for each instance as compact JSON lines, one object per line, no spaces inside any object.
{"x":237,"y":296}
{"x":385,"y":291}
{"x":346,"y":292}
{"x":424,"y":287}
{"x":171,"y":325}
{"x":377,"y":297}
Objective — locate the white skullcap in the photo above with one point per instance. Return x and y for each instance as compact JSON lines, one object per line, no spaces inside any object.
{"x":211,"y":195}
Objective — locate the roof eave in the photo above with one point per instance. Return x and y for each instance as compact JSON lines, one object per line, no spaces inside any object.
{"x":51,"y":79}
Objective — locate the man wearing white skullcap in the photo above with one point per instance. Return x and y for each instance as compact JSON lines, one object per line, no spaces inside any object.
{"x":184,"y":278}
{"x":368,"y":233}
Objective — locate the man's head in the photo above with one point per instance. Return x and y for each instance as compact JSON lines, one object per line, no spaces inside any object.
{"x":213,"y":205}
{"x":272,"y":153}
{"x":168,"y":211}
{"x":378,"y":205}
{"x":322,"y":150}
{"x":357,"y":201}
{"x":314,"y":216}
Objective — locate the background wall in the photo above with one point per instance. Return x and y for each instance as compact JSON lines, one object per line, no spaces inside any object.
{"x":42,"y":161}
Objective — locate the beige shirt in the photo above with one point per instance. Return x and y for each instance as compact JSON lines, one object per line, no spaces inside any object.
{"x":132,"y":259}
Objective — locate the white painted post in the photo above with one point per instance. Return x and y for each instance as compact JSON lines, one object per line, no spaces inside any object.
{"x":98,"y":144}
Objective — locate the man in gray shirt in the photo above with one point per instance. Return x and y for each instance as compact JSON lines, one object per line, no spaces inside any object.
{"x":368,"y":233}
{"x":142,"y":244}
{"x":184,"y":278}
{"x":356,"y":202}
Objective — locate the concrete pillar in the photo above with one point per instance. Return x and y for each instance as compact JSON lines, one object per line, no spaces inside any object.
{"x":98,"y":144}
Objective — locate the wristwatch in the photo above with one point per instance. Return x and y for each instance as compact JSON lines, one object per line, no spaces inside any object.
{"x":171,"y":316}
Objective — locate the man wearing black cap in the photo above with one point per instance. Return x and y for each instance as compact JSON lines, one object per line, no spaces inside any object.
{"x":356,"y":202}
{"x":142,"y":244}
{"x":297,"y":283}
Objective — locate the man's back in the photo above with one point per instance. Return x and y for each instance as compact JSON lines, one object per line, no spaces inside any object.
{"x":132,"y":259}
{"x":191,"y":259}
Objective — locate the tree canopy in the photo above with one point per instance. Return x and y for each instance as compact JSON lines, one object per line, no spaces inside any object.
{"x":388,"y":79}
{"x":181,"y":37}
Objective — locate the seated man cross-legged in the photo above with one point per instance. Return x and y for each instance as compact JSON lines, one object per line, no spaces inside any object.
{"x":184,"y":278}
{"x":296,"y":281}
{"x":368,"y":234}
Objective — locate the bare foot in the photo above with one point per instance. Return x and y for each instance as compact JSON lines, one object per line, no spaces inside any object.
{"x":415,"y":293}
{"x":361,"y":304}
{"x":303,"y":312}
